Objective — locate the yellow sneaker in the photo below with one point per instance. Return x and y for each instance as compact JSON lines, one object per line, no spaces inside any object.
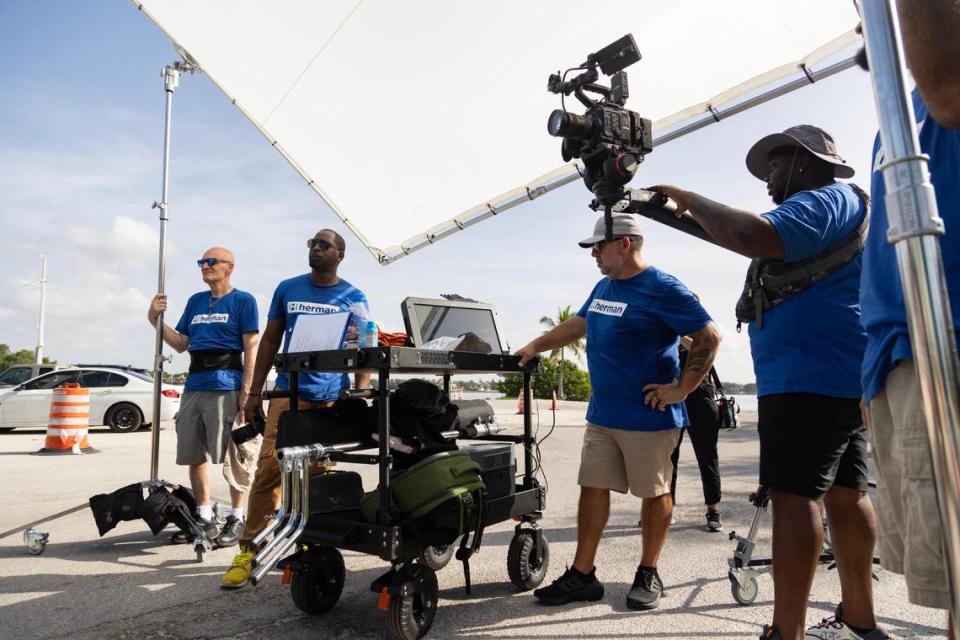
{"x":239,"y":572}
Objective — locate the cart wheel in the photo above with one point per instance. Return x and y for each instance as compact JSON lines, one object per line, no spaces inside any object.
{"x":522,"y":566}
{"x":409,"y":617}
{"x":437,"y":556}
{"x":745,"y":594}
{"x":317,"y":590}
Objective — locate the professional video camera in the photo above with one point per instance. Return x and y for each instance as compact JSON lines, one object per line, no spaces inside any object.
{"x":610,"y":139}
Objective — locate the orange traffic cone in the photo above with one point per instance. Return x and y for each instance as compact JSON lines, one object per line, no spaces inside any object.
{"x":553,"y":402}
{"x":520,"y":407}
{"x":69,"y":421}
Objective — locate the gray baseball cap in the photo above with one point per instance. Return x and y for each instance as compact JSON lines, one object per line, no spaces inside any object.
{"x":813,"y":139}
{"x":624,"y":224}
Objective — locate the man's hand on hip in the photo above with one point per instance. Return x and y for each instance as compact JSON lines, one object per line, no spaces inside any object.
{"x":660,"y":396}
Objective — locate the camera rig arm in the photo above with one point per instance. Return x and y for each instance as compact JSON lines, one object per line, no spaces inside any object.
{"x":657,"y":207}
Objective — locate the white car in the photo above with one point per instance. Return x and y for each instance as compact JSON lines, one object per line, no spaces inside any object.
{"x":120,"y":398}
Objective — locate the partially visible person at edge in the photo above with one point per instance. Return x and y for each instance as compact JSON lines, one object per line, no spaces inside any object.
{"x":317,"y":292}
{"x":807,"y":346}
{"x":219,"y":328}
{"x":633,"y":320}
{"x":704,"y":431}
{"x":911,"y":538}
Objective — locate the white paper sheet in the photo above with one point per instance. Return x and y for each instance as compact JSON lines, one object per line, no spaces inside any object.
{"x":318,"y":332}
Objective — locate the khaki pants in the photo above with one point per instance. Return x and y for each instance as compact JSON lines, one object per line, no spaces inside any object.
{"x":264,"y":497}
{"x":910,"y":537}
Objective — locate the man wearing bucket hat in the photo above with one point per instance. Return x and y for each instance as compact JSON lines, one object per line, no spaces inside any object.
{"x":801,"y":302}
{"x":633,"y":320}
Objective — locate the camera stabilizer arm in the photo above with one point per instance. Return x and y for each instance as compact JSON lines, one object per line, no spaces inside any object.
{"x":656,"y":206}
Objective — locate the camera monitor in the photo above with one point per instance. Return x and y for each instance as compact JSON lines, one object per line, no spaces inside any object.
{"x":439,"y":323}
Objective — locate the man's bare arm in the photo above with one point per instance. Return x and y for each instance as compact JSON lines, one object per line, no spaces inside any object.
{"x":700,"y":355}
{"x":931,"y":39}
{"x":560,"y":336}
{"x":250,"y":341}
{"x":269,"y":346}
{"x":739,"y":231}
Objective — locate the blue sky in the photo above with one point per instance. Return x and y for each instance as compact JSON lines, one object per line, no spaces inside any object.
{"x":82,"y":124}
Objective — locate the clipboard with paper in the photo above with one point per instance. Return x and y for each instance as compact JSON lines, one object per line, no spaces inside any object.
{"x":319,"y":332}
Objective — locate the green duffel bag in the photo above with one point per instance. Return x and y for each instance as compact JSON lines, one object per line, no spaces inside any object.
{"x":451,"y":475}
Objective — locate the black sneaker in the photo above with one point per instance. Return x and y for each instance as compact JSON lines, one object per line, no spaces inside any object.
{"x":231,"y":532}
{"x":713,"y":521}
{"x":769,"y":633}
{"x":570,"y":587}
{"x":210,"y":528}
{"x":646,"y":590}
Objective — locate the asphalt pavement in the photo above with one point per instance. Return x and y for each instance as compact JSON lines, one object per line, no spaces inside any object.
{"x":130,"y":584}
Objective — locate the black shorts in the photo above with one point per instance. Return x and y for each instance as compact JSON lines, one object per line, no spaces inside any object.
{"x":810,"y":442}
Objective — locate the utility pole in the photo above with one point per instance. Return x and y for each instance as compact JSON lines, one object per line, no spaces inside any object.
{"x":43,"y":302}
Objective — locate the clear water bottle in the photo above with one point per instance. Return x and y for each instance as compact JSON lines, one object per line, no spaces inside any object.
{"x":358,"y":318}
{"x":368,"y":335}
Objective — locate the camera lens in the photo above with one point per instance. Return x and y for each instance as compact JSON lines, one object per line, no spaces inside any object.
{"x":570,"y":125}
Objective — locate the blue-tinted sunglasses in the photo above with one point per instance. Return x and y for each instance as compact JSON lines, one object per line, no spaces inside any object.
{"x":211,"y":262}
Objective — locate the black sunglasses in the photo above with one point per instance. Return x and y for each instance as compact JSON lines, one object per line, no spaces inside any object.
{"x":323,"y":245}
{"x":211,"y":262}
{"x":597,"y":246}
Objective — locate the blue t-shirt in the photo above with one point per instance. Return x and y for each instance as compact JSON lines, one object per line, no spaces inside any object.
{"x":881,"y":295}
{"x":298,"y":296}
{"x":633,"y":333}
{"x":218,"y":324}
{"x":813,"y":341}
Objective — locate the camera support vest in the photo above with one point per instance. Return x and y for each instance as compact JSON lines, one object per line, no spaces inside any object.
{"x":770,"y":282}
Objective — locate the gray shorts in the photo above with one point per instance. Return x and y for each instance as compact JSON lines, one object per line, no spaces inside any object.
{"x":204,"y":424}
{"x":911,"y":539}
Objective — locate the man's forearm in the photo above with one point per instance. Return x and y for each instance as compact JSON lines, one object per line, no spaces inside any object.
{"x":561,"y":335}
{"x":174,"y":339}
{"x":265,"y":353}
{"x":362,"y":380}
{"x":249,"y":362}
{"x":732,"y":229}
{"x":700,"y":357}
{"x":930,"y":31}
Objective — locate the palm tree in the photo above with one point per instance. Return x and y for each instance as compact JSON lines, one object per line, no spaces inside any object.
{"x":559,"y":354}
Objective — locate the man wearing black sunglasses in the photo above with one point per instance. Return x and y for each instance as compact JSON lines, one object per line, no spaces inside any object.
{"x":320,"y":291}
{"x":219,"y":328}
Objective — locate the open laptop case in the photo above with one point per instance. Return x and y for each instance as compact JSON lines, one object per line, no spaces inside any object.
{"x":439,"y":324}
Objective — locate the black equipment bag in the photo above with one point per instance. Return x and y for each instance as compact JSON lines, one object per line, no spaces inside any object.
{"x":727,"y":407}
{"x":347,"y":420}
{"x":335,"y":491}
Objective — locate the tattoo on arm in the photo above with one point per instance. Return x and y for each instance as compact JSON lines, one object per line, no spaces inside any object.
{"x":701,"y":354}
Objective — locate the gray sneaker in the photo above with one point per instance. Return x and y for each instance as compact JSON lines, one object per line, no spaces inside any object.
{"x":713,"y":521}
{"x":646,"y":590}
{"x":834,"y":628}
{"x":210,"y":528}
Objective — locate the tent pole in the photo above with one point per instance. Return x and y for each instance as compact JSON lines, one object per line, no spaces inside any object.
{"x":914,"y":229}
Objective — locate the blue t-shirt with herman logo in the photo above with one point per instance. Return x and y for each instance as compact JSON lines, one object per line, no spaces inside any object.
{"x":299,"y":296}
{"x":633,"y":333}
{"x":218,"y":324}
{"x":813,"y":341}
{"x":881,"y":295}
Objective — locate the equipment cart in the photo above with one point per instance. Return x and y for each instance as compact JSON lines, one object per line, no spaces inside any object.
{"x":408,"y":592}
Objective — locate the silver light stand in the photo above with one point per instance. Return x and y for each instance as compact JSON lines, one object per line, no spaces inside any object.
{"x":914,"y":229}
{"x":171,"y":79}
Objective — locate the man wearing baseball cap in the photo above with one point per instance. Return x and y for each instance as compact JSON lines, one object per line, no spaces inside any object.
{"x":633,"y":320}
{"x":801,"y":300}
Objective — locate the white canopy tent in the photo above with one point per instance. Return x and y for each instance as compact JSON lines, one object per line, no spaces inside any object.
{"x":415,"y":120}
